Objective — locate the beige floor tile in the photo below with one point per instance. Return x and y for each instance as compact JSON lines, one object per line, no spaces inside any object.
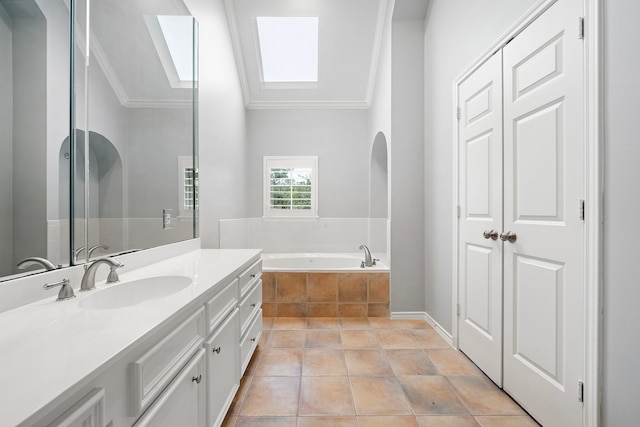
{"x":507,"y":421}
{"x":431,"y":395}
{"x":322,"y":323}
{"x":253,"y":362}
{"x":429,"y":338}
{"x":482,"y":397}
{"x":452,"y":362}
{"x":411,"y":362}
{"x":323,"y":338}
{"x":281,"y":323}
{"x":396,"y":338}
{"x":229,"y":420}
{"x":385,"y":323}
{"x":279,"y":362}
{"x":367,"y":363}
{"x":286,"y":339}
{"x":327,"y":422}
{"x":323,"y":362}
{"x":391,"y":421}
{"x":416,"y":324}
{"x":359,"y":338}
{"x":379,"y":396}
{"x":354,"y":323}
{"x":325,"y":396}
{"x":447,"y":421}
{"x":236,"y":404}
{"x":267,"y":322}
{"x":264,"y":337}
{"x":265,"y":422}
{"x":271,"y":396}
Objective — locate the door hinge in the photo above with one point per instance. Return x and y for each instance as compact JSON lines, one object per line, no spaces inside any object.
{"x":581,"y":209}
{"x":458,"y":113}
{"x":458,"y":309}
{"x":458,"y":211}
{"x":581,"y":28}
{"x":580,"y":391}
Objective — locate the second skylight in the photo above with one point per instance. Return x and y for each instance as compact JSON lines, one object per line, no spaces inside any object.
{"x":288,"y":48}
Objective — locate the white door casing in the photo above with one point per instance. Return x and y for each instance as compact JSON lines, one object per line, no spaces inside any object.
{"x":480,"y":198}
{"x":543,"y":185}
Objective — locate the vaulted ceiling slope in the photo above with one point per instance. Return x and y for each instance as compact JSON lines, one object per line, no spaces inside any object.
{"x":349,"y":36}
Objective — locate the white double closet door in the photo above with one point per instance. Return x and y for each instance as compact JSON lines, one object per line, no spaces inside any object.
{"x":521,"y":257}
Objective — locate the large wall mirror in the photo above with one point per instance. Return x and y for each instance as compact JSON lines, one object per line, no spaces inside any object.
{"x":110,"y":166}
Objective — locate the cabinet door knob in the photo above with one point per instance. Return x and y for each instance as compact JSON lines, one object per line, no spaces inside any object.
{"x":197,"y":379}
{"x":253,"y":339}
{"x":253,"y":276}
{"x":253,"y":305}
{"x":217,"y":350}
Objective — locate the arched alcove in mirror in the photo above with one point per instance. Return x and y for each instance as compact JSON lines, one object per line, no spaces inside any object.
{"x":379,"y":193}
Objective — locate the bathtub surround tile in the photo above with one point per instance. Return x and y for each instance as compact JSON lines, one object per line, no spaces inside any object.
{"x":379,"y":287}
{"x":280,"y":362}
{"x":271,"y":396}
{"x":322,"y":338}
{"x":482,"y":397}
{"x":378,"y":310}
{"x":386,"y":421}
{"x":358,"y":338}
{"x":291,"y":309}
{"x":268,"y":287}
{"x":322,"y":309}
{"x":447,"y":421}
{"x":352,"y":287}
{"x":352,"y":310}
{"x":286,"y":339}
{"x":291,"y":287}
{"x":431,"y":395}
{"x":269,"y":309}
{"x":411,"y":362}
{"x":330,"y":322}
{"x":379,"y":396}
{"x":367,"y":363}
{"x":323,"y":362}
{"x":325,"y":396}
{"x":322,"y":287}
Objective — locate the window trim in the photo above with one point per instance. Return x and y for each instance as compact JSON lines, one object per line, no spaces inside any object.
{"x":270,"y":162}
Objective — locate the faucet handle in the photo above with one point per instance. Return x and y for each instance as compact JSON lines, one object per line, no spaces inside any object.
{"x":374,"y":261}
{"x":66,"y":291}
{"x":113,"y":274}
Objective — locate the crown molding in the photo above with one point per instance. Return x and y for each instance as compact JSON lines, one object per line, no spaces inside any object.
{"x":308,"y":105}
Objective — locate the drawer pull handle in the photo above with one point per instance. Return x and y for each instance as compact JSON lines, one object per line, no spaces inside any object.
{"x":217,"y":350}
{"x":197,"y":379}
{"x":253,"y":339}
{"x":253,"y":276}
{"x":253,"y":305}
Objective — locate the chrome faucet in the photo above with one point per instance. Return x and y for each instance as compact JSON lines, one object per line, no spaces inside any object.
{"x":28,"y":262}
{"x":96,"y":247}
{"x":368,"y":261}
{"x":89,"y":278}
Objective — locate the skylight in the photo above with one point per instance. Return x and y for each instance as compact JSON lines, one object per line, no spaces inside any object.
{"x":288,"y":49}
{"x":172,"y":36}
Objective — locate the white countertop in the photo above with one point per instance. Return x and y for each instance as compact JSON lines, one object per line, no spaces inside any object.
{"x":48,"y":347}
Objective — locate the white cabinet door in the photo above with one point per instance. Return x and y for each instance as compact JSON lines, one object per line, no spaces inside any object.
{"x":183,"y":402}
{"x":480,"y":200}
{"x":223,"y":368}
{"x":544,"y":182}
{"x":88,"y":412}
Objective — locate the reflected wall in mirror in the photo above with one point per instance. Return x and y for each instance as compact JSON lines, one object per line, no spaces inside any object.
{"x":135,"y":172}
{"x":34,"y":123}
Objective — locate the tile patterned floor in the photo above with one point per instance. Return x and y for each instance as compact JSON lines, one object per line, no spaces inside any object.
{"x":365,"y":372}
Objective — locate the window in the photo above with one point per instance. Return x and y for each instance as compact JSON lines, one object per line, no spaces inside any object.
{"x":187,"y":186}
{"x":290,"y":186}
{"x":288,"y":49}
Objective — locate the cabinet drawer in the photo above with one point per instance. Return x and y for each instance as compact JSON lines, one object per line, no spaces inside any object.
{"x":249,"y":276}
{"x":223,"y":368}
{"x":220,"y":305}
{"x":183,"y":402}
{"x":250,"y":340}
{"x":249,"y":305}
{"x":157,"y":367}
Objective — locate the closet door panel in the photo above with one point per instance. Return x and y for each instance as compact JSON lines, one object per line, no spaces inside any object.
{"x":480,"y":199}
{"x":543,"y":183}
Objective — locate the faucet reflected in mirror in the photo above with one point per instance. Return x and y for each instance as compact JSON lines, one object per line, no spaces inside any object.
{"x":34,"y":260}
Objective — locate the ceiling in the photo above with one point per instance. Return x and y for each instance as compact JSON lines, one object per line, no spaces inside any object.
{"x":349,"y":36}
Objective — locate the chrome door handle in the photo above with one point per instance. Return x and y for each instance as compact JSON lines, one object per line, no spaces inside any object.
{"x":509,"y":235}
{"x":492,"y":234}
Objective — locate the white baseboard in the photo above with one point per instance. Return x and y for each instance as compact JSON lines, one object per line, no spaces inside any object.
{"x":421,"y":315}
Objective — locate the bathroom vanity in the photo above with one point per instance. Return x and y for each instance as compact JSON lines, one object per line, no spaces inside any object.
{"x":167,"y":355}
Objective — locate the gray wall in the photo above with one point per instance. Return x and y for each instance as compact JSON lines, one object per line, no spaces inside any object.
{"x":456,"y":34}
{"x":407,"y":167}
{"x":6,"y":144}
{"x":622,"y":204}
{"x":337,"y":137}
{"x":223,"y":138}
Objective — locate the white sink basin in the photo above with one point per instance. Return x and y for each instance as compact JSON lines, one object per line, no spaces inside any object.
{"x":135,"y":292}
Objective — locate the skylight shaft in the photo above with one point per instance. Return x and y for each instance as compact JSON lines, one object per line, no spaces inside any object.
{"x":178,"y":34}
{"x":288,"y":49}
